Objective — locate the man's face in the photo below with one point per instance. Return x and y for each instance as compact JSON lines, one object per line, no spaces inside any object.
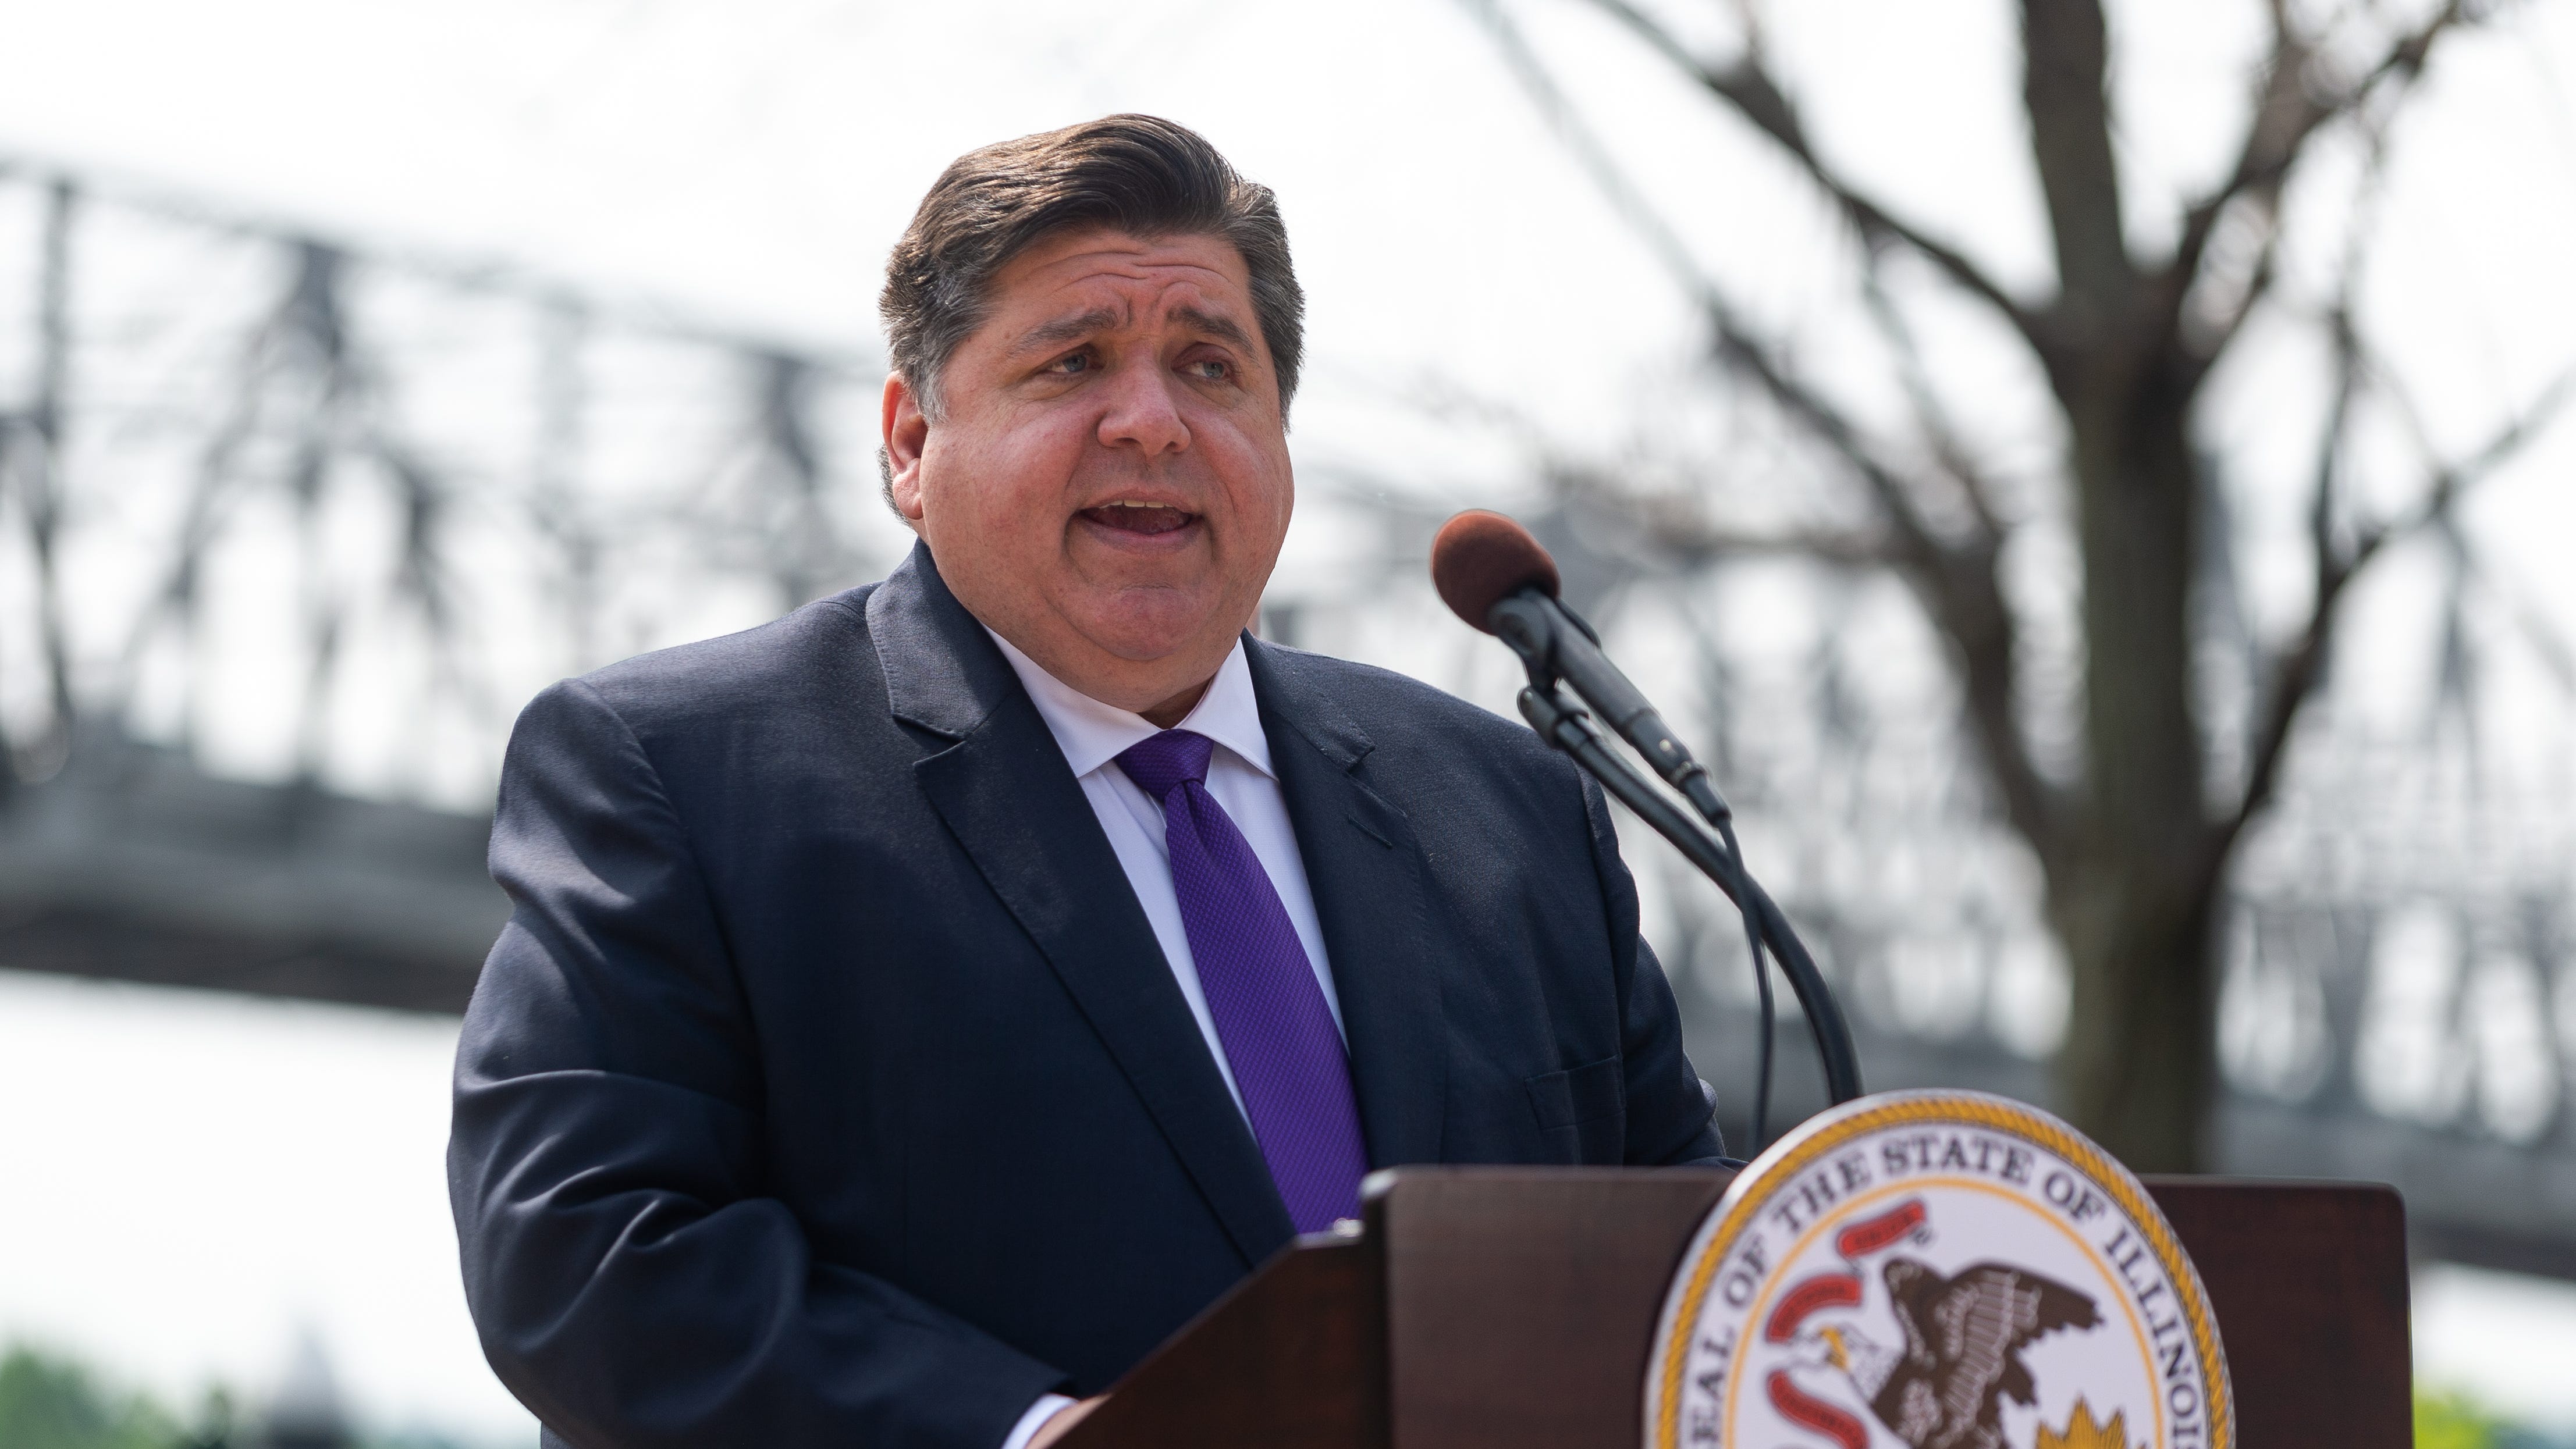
{"x":1109,"y":486}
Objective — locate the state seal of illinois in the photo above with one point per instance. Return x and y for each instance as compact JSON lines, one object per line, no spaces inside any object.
{"x":1940,"y":1270}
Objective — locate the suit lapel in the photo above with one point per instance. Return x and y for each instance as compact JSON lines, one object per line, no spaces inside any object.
{"x":1005,"y":793}
{"x":1373,"y":899}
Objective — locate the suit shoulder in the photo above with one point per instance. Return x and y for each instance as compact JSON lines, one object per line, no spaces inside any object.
{"x":1401,"y":712}
{"x":824,"y":641}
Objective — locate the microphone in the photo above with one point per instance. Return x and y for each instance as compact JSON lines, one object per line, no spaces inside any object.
{"x":1498,"y":578}
{"x":1480,"y":557}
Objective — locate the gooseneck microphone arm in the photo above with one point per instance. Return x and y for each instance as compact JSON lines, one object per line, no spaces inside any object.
{"x":1555,"y":645}
{"x":1497,"y":577}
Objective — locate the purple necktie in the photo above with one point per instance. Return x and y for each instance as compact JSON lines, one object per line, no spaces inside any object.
{"x":1269,"y":1009}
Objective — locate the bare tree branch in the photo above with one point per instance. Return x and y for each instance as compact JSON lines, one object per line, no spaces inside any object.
{"x":1734,"y":344}
{"x":2300,"y":672}
{"x":1680,"y":528}
{"x":1948,"y":448}
{"x":2212,"y":342}
{"x":2302,"y":667}
{"x":1750,"y":89}
{"x":2288,"y":115}
{"x":2296,"y":675}
{"x":1977,"y":616}
{"x":2530,"y":618}
{"x":1958,"y":585}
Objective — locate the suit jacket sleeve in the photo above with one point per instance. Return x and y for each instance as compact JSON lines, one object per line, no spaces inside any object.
{"x":1671,"y":1116}
{"x":631,"y":1281}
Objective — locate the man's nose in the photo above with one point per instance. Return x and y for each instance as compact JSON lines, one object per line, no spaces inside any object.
{"x":1144,"y":412}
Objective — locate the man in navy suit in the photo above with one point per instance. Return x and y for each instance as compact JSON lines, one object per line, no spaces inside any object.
{"x":915,"y":1009}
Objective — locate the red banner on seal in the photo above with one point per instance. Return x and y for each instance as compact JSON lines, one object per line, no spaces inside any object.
{"x":1885,"y":1230}
{"x":1809,"y":1412}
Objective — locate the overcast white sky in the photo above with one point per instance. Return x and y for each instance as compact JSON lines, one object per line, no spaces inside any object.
{"x":216,"y":1172}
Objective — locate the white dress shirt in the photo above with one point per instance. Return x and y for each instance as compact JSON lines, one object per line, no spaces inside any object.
{"x":1092,"y":734}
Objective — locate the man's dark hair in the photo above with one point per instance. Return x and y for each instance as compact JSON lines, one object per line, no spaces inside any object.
{"x":1140,"y":174}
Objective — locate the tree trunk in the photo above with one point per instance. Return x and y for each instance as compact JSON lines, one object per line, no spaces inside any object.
{"x":2137,"y":1071}
{"x":2131,"y":895}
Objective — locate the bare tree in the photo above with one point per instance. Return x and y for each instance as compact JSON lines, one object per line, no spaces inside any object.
{"x":2132,"y":849}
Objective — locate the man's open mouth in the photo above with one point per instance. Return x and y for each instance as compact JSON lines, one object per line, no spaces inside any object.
{"x":1140,"y":518}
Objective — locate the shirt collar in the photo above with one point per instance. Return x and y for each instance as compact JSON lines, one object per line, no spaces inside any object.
{"x":1091,"y":733}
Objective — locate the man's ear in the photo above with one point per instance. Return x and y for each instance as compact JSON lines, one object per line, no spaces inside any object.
{"x":906,"y":433}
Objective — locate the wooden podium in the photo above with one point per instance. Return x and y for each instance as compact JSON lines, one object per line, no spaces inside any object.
{"x":1512,"y":1308}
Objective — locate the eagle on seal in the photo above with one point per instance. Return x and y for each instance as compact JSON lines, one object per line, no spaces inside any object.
{"x":1962,"y":1353}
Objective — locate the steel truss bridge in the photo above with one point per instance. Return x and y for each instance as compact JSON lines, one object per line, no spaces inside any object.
{"x":288,"y":528}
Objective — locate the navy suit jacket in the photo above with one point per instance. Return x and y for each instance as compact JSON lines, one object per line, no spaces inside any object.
{"x":828,"y":1086}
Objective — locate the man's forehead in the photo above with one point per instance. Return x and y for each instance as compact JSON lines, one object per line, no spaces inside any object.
{"x":1104,"y":262}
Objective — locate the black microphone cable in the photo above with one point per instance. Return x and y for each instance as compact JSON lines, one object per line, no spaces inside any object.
{"x":1563,"y":722}
{"x":1720,"y":814}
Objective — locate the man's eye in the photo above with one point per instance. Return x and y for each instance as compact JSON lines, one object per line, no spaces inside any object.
{"x":1211,"y":369}
{"x":1070,"y":364}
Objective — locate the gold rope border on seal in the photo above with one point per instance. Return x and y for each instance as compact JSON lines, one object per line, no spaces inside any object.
{"x":1995,"y":1114}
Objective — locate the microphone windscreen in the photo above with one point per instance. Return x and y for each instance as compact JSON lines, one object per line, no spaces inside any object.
{"x":1481,"y":557}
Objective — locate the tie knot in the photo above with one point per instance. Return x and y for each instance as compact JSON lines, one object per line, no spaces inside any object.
{"x":1162,"y":763}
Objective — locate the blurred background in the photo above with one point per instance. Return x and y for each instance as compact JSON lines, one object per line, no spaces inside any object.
{"x":2065,"y":525}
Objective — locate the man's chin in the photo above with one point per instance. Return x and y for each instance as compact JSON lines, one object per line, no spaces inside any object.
{"x":1150,"y":624}
{"x":1147,"y":648}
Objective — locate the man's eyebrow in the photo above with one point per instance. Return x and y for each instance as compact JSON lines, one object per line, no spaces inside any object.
{"x":1047,"y":335}
{"x":1223,"y":328}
